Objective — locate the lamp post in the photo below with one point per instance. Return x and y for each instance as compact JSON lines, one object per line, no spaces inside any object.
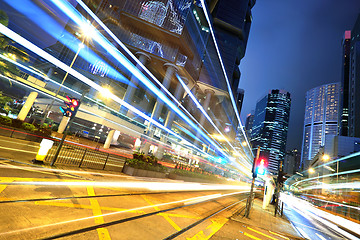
{"x":86,"y":30}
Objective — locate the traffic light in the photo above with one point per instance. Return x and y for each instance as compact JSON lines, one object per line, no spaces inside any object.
{"x":72,"y":105}
{"x":260,"y":166}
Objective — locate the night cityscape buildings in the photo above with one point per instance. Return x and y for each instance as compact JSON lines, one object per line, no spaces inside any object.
{"x":270,"y":127}
{"x":321,"y":119}
{"x":178,"y":91}
{"x":344,"y":94}
{"x":292,"y":162}
{"x":354,"y":81}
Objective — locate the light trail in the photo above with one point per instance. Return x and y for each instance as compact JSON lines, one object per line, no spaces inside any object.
{"x":183,"y":201}
{"x":72,"y":13}
{"x":103,"y":42}
{"x":83,"y":5}
{"x":309,"y":211}
{"x":52,"y":27}
{"x":224,"y":72}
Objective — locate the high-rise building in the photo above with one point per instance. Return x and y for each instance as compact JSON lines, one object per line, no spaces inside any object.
{"x":240,"y":98}
{"x":249,"y":123}
{"x":344,"y":93}
{"x":354,"y":83}
{"x":292,"y":162}
{"x":321,"y":118}
{"x":270,"y":127}
{"x":232,"y":22}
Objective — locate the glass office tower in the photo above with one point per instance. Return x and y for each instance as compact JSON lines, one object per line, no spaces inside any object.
{"x":321,"y":119}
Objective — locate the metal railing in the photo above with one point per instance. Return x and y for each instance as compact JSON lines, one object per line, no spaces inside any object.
{"x":75,"y":155}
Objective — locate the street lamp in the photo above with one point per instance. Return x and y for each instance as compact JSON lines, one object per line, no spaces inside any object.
{"x":311,"y":170}
{"x":325,"y":157}
{"x":87,"y":30}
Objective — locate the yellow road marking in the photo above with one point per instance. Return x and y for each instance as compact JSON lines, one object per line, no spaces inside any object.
{"x":102,"y":232}
{"x":166,"y":216}
{"x":2,"y":187}
{"x":210,"y":230}
{"x":279,"y":235}
{"x":258,"y":232}
{"x":251,"y":236}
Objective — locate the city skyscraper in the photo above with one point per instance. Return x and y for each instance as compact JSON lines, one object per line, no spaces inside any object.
{"x":270,"y":127}
{"x":354,"y":83}
{"x":249,"y":123}
{"x":292,"y":162}
{"x":232,"y":22}
{"x":344,"y":93}
{"x":321,"y":119}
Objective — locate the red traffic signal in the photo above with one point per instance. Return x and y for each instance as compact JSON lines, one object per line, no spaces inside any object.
{"x":261,"y":165}
{"x":72,"y":105}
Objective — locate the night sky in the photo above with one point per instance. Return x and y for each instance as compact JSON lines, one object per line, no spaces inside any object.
{"x":295,"y":46}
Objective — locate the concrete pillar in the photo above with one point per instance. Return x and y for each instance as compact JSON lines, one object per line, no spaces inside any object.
{"x":109,"y":139}
{"x":179,"y":92}
{"x":50,"y":72}
{"x":27,"y":106}
{"x":143,"y":58}
{"x":63,"y":124}
{"x":170,"y":70}
{"x":209,"y":93}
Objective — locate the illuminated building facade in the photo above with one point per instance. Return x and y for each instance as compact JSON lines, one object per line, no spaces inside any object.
{"x":344,"y":93}
{"x":152,"y":69}
{"x":232,"y":22}
{"x":270,"y":127}
{"x":321,"y":119}
{"x":354,"y":81}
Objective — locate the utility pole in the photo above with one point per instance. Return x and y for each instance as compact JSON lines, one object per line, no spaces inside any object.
{"x":278,"y":186}
{"x":72,"y":117}
{"x":250,"y":198}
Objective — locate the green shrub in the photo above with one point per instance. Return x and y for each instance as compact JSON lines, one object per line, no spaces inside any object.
{"x":16,"y":123}
{"x":141,"y":161}
{"x":28,"y":127}
{"x":43,"y":131}
{"x":5,"y":120}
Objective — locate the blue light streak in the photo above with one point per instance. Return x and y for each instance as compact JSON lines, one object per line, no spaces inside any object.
{"x":52,"y":27}
{"x":224,"y":72}
{"x":104,"y":43}
{"x":20,"y":40}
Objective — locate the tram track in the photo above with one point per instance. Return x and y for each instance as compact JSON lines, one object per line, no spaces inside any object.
{"x":133,"y":218}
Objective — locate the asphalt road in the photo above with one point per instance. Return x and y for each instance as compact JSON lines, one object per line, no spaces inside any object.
{"x":37,"y":202}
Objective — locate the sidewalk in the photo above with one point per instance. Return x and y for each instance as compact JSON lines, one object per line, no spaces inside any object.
{"x":261,"y":221}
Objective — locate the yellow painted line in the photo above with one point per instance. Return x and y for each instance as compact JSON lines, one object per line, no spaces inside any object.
{"x":251,"y":236}
{"x":167,"y":218}
{"x":279,"y":235}
{"x":258,"y":232}
{"x":182,"y":216}
{"x":102,"y":232}
{"x":62,"y":204}
{"x":2,"y":187}
{"x":210,"y":230}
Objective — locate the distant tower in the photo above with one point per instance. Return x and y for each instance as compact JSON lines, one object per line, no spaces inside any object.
{"x":270,"y":127}
{"x":354,"y":83}
{"x":321,"y":118}
{"x":344,"y":92}
{"x":240,"y":98}
{"x":249,"y":124}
